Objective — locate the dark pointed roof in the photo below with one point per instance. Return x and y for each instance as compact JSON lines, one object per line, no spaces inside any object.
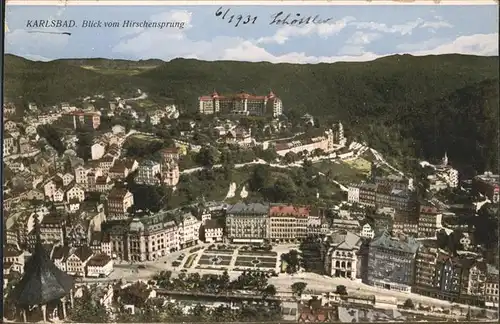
{"x":42,"y":281}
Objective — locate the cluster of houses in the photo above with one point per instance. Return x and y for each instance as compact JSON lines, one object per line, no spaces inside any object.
{"x":394,"y":248}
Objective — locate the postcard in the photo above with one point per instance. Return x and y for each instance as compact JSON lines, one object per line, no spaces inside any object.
{"x":235,"y":161}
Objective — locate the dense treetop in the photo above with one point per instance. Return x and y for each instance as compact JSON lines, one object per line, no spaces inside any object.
{"x":402,"y":105}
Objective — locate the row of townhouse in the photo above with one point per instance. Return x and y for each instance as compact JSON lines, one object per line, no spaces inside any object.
{"x":401,"y":263}
{"x":62,"y":187}
{"x":97,"y":176}
{"x":379,"y":195}
{"x":81,"y":261}
{"x":326,"y":143}
{"x":15,"y":144}
{"x":155,"y":173}
{"x":386,"y":261}
{"x":258,"y":222}
{"x":71,"y":189}
{"x":149,"y":237}
{"x":456,"y":279}
{"x":78,"y":119}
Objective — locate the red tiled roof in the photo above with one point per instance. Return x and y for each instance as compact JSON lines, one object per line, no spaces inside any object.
{"x":289,"y":210}
{"x":428,"y":210}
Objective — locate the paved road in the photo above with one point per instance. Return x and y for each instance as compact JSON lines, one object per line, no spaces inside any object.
{"x":315,"y":283}
{"x":323,"y":284}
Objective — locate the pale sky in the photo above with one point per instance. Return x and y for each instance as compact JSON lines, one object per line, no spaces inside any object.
{"x":354,"y":33}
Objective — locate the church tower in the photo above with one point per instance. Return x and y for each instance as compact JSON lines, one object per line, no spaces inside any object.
{"x":445,"y":159}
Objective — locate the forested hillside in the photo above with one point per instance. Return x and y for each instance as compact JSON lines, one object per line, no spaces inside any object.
{"x":401,"y":104}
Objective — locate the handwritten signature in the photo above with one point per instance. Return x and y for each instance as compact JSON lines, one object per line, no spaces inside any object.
{"x":296,"y":19}
{"x":279,"y":18}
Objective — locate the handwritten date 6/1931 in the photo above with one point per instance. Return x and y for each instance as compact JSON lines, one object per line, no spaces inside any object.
{"x":235,"y":19}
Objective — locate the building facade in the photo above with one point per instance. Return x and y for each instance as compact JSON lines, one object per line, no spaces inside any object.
{"x":242,"y":104}
{"x":247,"y":223}
{"x":144,"y":239}
{"x":149,"y":173}
{"x":487,"y":184}
{"x":391,"y":262}
{"x":342,"y":255}
{"x":77,"y":119}
{"x":429,"y":221}
{"x":118,"y":202}
{"x":287,"y":223}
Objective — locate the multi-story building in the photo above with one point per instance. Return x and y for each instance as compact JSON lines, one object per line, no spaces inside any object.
{"x":399,"y":199}
{"x":239,"y":136}
{"x":118,"y":171}
{"x":491,"y":287}
{"x":118,"y":202}
{"x":99,"y":266}
{"x":170,"y":173}
{"x":450,"y":276}
{"x":396,"y":182}
{"x":52,"y":228}
{"x":287,"y":223}
{"x":446,"y":173}
{"x":213,"y":232}
{"x":427,"y":274}
{"x":242,"y":104}
{"x":75,"y":193}
{"x":367,"y":230}
{"x":9,"y":109}
{"x":13,"y":258}
{"x":149,"y":173}
{"x":106,"y":163}
{"x":342,"y":255}
{"x":405,"y":223}
{"x":473,"y":278}
{"x":487,"y":184}
{"x":147,"y":238}
{"x":391,"y":262}
{"x":170,"y":153}
{"x":9,"y":145}
{"x":97,"y":150}
{"x":351,"y":225}
{"x":362,"y":193}
{"x":81,"y":176}
{"x":77,"y":119}
{"x":77,"y":261}
{"x":247,"y":223}
{"x":324,"y":143}
{"x":188,"y":230}
{"x":429,"y":221}
{"x":103,"y":184}
{"x":92,"y":176}
{"x":386,"y":194}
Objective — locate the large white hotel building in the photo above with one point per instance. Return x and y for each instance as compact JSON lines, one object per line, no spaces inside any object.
{"x":241,"y":104}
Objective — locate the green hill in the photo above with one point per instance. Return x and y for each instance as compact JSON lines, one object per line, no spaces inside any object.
{"x":401,"y":104}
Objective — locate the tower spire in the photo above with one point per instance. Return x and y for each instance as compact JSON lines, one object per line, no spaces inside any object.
{"x":445,"y":159}
{"x":37,"y":229}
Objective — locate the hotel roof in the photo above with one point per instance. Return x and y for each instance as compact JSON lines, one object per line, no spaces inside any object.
{"x":386,"y":241}
{"x":284,"y":210}
{"x":253,"y":208}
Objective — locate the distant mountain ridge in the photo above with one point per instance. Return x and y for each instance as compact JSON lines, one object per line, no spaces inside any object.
{"x":396,"y":94}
